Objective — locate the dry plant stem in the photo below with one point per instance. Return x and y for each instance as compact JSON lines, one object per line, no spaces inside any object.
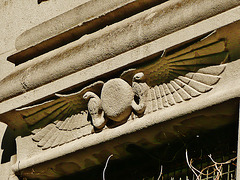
{"x":190,"y":166}
{"x":217,"y":167}
{"x":106,"y":166}
{"x":160,"y":173}
{"x":215,"y":164}
{"x":191,"y":161}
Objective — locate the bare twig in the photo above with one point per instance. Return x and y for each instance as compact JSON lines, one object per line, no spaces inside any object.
{"x":163,"y":53}
{"x":160,"y":173}
{"x":106,"y":166}
{"x":217,"y":167}
{"x":219,"y":173}
{"x":190,"y":166}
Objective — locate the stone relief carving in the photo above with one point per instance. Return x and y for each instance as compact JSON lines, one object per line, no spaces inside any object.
{"x":171,"y":79}
{"x":183,"y":88}
{"x":60,"y":132}
{"x":117,"y":103}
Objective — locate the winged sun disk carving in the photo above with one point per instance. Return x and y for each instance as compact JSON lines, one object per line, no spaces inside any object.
{"x":162,"y":83}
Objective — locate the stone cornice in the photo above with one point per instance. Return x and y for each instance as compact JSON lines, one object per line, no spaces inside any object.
{"x":72,"y":25}
{"x":20,"y":81}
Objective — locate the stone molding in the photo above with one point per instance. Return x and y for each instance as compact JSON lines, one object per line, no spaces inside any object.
{"x":169,"y":10}
{"x":83,"y":52}
{"x":86,"y":12}
{"x":84,"y":19}
{"x":16,"y":85}
{"x":211,"y":49}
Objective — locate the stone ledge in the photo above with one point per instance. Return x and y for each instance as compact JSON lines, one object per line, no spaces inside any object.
{"x":110,"y":42}
{"x":36,"y":73}
{"x":72,"y":25}
{"x":77,"y":16}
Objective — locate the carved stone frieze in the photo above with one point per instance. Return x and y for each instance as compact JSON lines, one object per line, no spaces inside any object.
{"x":117,"y":102}
{"x":166,"y":81}
{"x":64,"y":106}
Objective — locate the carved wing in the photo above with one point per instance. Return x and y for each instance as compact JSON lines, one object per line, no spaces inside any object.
{"x":61,"y":132}
{"x":64,"y":106}
{"x":206,"y":52}
{"x":183,"y":88}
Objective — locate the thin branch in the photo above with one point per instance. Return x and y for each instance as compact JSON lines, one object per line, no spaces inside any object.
{"x":215,"y":164}
{"x":191,"y":161}
{"x":163,"y":53}
{"x":106,"y":166}
{"x":217,"y":167}
{"x":190,"y":166}
{"x":160,"y":173}
{"x":227,"y":162}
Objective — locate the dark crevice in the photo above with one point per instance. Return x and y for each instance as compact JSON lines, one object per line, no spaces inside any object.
{"x":8,"y":145}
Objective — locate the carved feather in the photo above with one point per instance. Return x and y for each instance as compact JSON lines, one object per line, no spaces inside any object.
{"x":183,"y":88}
{"x":61,"y":132}
{"x":207,"y":52}
{"x":64,"y":106}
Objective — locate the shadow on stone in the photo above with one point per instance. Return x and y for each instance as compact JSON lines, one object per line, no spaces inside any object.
{"x":8,"y":145}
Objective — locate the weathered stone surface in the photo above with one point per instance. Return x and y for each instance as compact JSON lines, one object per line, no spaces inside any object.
{"x":75,"y":17}
{"x":210,"y":80}
{"x":69,"y":145}
{"x":13,"y":85}
{"x":99,"y":46}
{"x":117,"y":97}
{"x":19,"y":16}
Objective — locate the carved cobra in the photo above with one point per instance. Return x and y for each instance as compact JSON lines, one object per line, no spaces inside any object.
{"x":95,"y":109}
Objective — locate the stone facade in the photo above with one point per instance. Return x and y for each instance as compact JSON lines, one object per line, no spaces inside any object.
{"x":86,"y":79}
